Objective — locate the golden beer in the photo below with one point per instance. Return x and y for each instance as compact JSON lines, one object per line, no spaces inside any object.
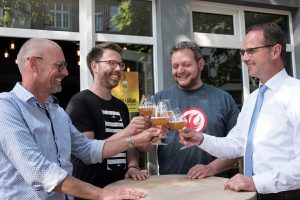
{"x":177,"y":125}
{"x":146,"y":111}
{"x":159,"y":121}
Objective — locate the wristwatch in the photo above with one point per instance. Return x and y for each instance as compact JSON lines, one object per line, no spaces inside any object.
{"x":129,"y":142}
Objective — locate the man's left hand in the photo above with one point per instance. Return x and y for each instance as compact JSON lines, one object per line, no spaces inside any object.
{"x":200,"y":171}
{"x":136,"y":174}
{"x":240,"y":182}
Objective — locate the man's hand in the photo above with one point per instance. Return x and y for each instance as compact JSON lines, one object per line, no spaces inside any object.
{"x":190,"y":137}
{"x":240,"y":182}
{"x":137,"y":125}
{"x":146,"y":137}
{"x":120,"y":193}
{"x":200,"y":171}
{"x":136,"y":174}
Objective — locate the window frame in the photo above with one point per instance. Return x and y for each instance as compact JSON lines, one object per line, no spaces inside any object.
{"x":61,"y":12}
{"x":144,"y":40}
{"x":235,"y":41}
{"x":87,"y":37}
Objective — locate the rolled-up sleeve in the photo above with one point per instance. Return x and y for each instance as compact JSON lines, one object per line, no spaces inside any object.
{"x":88,"y":150}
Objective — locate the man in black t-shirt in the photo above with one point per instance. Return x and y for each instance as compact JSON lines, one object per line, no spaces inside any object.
{"x":99,"y":115}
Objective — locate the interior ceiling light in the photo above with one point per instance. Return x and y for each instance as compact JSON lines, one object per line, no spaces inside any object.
{"x":6,"y":55}
{"x":12,"y":45}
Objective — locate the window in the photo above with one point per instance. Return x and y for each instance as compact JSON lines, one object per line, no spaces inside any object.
{"x":138,"y":75}
{"x":219,"y":29}
{"x":223,"y":69}
{"x":59,"y":15}
{"x":10,"y":72}
{"x":213,"y":23}
{"x":1,"y":15}
{"x":136,"y":34}
{"x":43,"y":15}
{"x":129,"y":24}
{"x":252,"y":18}
{"x":113,"y":11}
{"x":128,"y":17}
{"x":99,"y":19}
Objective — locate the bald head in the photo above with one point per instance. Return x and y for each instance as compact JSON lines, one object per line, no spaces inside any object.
{"x":34,"y":47}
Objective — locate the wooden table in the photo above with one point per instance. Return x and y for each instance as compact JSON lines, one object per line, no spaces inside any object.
{"x":178,"y":187}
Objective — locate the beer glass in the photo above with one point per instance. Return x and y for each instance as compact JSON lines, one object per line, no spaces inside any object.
{"x":160,"y":118}
{"x":147,"y":105}
{"x":177,"y":121}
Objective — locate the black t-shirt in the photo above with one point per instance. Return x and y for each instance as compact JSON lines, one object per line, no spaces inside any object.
{"x":89,"y":112}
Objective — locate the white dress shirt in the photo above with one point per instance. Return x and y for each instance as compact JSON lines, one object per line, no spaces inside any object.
{"x":276,"y":140}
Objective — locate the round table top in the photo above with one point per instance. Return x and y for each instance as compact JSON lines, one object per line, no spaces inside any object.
{"x":170,"y":187}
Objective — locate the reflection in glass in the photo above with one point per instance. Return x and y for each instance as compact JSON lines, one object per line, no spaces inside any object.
{"x":213,"y":23}
{"x":254,"y":82}
{"x":128,"y":17}
{"x":41,"y":14}
{"x":10,"y":73}
{"x":59,"y":16}
{"x":223,"y":69}
{"x":252,"y":18}
{"x":288,"y":63}
{"x":138,"y":60}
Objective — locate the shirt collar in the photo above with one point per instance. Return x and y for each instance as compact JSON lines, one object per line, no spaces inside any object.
{"x":276,"y":80}
{"x":27,"y":96}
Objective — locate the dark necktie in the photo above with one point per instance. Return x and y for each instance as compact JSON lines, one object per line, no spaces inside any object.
{"x":249,"y":146}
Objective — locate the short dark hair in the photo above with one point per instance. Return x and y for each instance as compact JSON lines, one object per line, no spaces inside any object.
{"x":187,"y":45}
{"x":97,"y":51}
{"x":273,"y":34}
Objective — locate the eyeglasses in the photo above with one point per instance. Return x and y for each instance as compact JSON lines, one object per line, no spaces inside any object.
{"x":250,"y":51}
{"x":61,"y":65}
{"x":113,"y":64}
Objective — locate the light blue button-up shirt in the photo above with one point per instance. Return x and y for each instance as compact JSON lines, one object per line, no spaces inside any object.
{"x":34,"y":158}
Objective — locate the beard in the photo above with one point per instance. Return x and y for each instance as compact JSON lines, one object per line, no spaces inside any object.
{"x":108,"y":83}
{"x":112,"y":85}
{"x":194,"y":80}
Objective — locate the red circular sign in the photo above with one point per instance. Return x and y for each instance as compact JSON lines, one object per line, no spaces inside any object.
{"x":197,"y":119}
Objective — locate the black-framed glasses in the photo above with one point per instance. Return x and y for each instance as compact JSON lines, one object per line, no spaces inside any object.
{"x":60,"y":65}
{"x":113,"y":64}
{"x":250,"y":51}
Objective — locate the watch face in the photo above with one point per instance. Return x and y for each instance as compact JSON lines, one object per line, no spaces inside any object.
{"x":129,"y":142}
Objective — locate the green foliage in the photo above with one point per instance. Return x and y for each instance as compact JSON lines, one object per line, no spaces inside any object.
{"x":23,"y":11}
{"x":134,"y":18}
{"x":212,"y":23}
{"x":225,"y":64}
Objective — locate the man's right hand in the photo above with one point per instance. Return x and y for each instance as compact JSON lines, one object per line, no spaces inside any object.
{"x":190,"y":137}
{"x":120,"y":193}
{"x":146,"y":137}
{"x":137,"y":125}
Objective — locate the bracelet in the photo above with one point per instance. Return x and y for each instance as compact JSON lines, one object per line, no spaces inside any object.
{"x":129,"y":142}
{"x":134,"y":167}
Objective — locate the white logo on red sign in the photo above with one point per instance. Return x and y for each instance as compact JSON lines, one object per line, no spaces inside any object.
{"x":197,"y":119}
